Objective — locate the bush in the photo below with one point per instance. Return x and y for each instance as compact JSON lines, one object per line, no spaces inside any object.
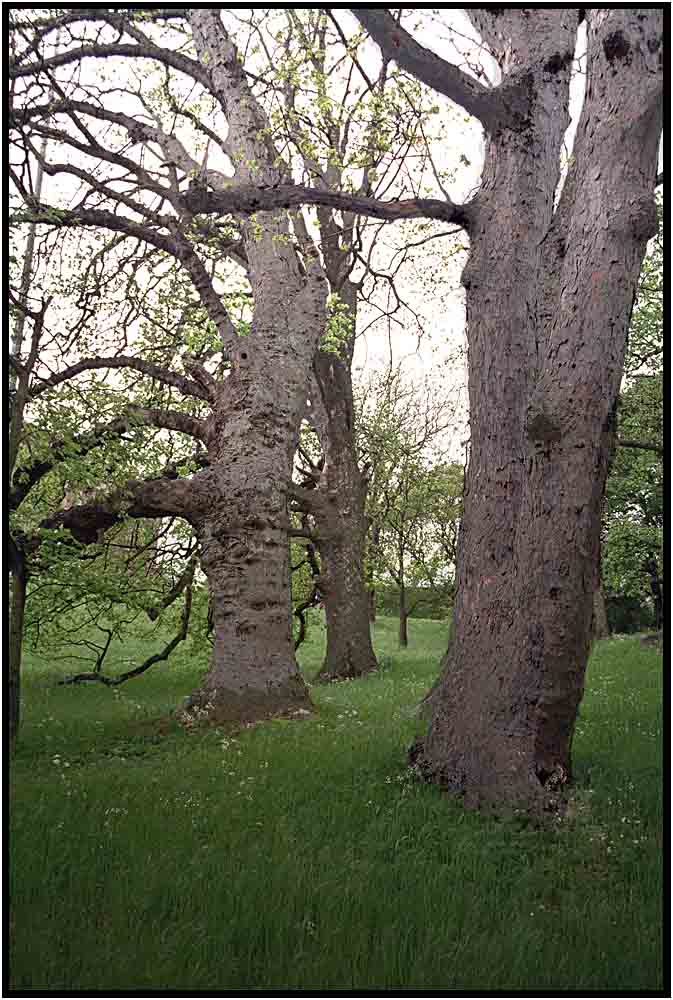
{"x":628,"y":614}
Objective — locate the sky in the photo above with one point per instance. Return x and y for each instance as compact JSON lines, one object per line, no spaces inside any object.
{"x":429,"y":336}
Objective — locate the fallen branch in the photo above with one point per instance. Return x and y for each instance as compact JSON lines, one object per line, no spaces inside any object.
{"x":146,"y":664}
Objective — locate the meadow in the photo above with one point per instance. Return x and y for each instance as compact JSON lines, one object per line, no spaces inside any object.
{"x":302,"y":855}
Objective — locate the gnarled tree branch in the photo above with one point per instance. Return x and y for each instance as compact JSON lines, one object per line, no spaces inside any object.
{"x":245,"y":199}
{"x":397,"y":44}
{"x":185,"y":385}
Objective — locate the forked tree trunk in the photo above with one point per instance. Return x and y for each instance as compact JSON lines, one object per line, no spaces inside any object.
{"x":549,"y":298}
{"x":340,"y":520}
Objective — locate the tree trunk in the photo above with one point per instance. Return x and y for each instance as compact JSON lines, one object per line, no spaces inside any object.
{"x":403,"y":617}
{"x":243,"y":531}
{"x":341,"y":523}
{"x":600,"y":628}
{"x":349,"y":651}
{"x":549,"y":297}
{"x":657,"y":588}
{"x":17,"y":611}
{"x":254,"y":429}
{"x":371,"y":546}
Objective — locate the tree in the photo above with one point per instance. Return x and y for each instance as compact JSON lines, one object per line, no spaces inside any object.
{"x":238,"y":504}
{"x":414,"y":492}
{"x":633,"y":520}
{"x":345,"y":128}
{"x":549,"y":294}
{"x":144,"y":142}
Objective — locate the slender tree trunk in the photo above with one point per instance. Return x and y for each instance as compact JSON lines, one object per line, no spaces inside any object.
{"x":656,"y":586}
{"x":403,"y":617}
{"x":371,"y":545}
{"x":548,"y":301}
{"x":600,"y":628}
{"x":15,"y":645}
{"x":341,"y":522}
{"x":349,"y":651}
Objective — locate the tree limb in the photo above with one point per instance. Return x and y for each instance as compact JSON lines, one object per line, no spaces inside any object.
{"x":150,"y":498}
{"x":185,"y":385}
{"x":246,"y":199}
{"x":397,"y":44}
{"x":183,"y":581}
{"x":642,"y":445}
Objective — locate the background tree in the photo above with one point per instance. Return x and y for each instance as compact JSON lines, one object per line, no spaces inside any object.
{"x":414,"y":491}
{"x":345,"y":129}
{"x":634,"y":518}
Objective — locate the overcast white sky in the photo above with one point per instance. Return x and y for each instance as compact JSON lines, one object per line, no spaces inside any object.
{"x":431,"y":283}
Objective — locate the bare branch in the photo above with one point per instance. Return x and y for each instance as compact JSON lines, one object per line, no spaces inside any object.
{"x":183,"y":581}
{"x":185,"y":385}
{"x":642,"y":446}
{"x":151,"y":660}
{"x":397,"y":44}
{"x":247,"y":199}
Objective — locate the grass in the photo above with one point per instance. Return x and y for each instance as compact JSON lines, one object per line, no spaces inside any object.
{"x":300,"y":855}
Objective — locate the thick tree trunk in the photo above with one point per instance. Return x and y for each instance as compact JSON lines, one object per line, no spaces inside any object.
{"x":254,"y":430}
{"x":253,"y":672}
{"x":243,"y":531}
{"x":548,"y":302}
{"x":341,"y":522}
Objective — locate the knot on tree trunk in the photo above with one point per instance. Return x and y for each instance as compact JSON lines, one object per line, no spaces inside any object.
{"x":540,"y":427}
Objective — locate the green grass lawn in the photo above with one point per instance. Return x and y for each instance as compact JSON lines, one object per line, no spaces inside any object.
{"x":300,"y":855}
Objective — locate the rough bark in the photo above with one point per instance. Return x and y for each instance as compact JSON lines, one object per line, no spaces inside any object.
{"x":549,"y":299}
{"x":340,"y":520}
{"x":243,"y":531}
